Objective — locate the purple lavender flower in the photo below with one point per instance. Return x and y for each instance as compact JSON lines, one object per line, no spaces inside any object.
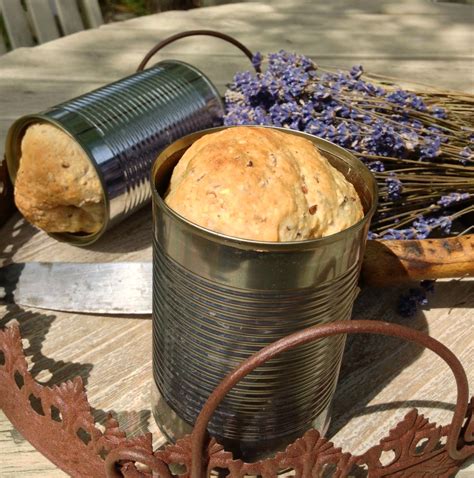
{"x":452,"y":198}
{"x":428,"y":285}
{"x":257,"y":60}
{"x":416,"y":124}
{"x":421,"y":228}
{"x":410,"y":138}
{"x":383,"y":140}
{"x":401,"y":234}
{"x":438,"y":112}
{"x":425,"y":226}
{"x":240,"y":115}
{"x":283,"y":113}
{"x":394,"y":187}
{"x":431,"y":148}
{"x":292,"y":93}
{"x":376,"y":166}
{"x":320,"y":93}
{"x":466,"y":155}
{"x":409,"y":302}
{"x":356,"y":71}
{"x":405,"y":99}
{"x":445,"y":223}
{"x":279,"y":63}
{"x":316,"y":127}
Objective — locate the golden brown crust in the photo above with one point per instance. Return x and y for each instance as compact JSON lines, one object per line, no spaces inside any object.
{"x":262,"y":184}
{"x":57,"y":188}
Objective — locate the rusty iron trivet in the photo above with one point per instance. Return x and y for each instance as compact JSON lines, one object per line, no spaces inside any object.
{"x":58,"y":422}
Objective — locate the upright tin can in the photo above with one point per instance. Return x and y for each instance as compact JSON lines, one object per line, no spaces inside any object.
{"x":123,"y":126}
{"x":219,"y":299}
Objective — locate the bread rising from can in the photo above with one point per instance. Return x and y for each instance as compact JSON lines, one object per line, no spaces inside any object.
{"x":57,"y":189}
{"x":262,"y":184}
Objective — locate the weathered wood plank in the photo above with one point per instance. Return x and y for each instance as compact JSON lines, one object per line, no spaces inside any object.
{"x":69,"y":16}
{"x":46,"y":91}
{"x":402,"y":7}
{"x":51,"y":86}
{"x":20,"y":459}
{"x":118,"y":245}
{"x":312,"y":20}
{"x":62,"y":66}
{"x":16,"y":23}
{"x":42,"y":18}
{"x":121,"y":372}
{"x":92,"y":12}
{"x":39,"y":95}
{"x":268,"y":36}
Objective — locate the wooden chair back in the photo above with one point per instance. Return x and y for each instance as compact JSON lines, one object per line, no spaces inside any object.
{"x":45,"y":20}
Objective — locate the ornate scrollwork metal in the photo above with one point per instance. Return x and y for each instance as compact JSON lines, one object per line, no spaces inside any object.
{"x":58,"y":422}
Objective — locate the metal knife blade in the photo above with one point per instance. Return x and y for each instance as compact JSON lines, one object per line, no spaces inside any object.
{"x":105,"y":288}
{"x":126,"y":287}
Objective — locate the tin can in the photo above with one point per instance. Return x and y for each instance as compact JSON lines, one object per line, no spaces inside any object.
{"x":123,"y":126}
{"x":219,"y":299}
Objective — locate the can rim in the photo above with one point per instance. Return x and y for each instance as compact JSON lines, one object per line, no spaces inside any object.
{"x":13,"y":144}
{"x":266,"y":246}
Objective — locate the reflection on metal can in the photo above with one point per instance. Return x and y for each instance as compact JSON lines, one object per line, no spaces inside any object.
{"x":123,"y":126}
{"x":219,"y":299}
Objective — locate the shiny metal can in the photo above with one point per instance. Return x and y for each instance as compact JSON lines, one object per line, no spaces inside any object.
{"x":219,"y":299}
{"x":123,"y":126}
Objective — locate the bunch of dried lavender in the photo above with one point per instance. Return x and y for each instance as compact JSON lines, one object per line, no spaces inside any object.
{"x":418,"y":144}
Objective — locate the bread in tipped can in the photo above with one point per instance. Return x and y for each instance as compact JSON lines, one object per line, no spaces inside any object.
{"x":57,"y":188}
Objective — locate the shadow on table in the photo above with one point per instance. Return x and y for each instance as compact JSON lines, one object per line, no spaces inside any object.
{"x":363,"y":353}
{"x":379,"y":304}
{"x":132,"y":235}
{"x":132,"y":422}
{"x":370,"y":362}
{"x":34,"y":326}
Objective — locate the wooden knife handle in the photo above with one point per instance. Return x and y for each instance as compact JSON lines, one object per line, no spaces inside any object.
{"x":394,"y":262}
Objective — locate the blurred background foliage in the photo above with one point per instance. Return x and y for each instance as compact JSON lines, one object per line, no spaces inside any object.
{"x":114,"y":8}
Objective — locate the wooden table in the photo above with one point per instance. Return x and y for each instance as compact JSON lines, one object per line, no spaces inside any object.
{"x":381,"y":378}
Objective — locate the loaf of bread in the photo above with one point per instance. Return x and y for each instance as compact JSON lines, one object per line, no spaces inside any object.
{"x":262,"y":184}
{"x":57,"y":188}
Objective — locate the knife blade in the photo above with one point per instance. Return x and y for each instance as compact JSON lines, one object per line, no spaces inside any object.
{"x":126,"y":287}
{"x":95,"y":288}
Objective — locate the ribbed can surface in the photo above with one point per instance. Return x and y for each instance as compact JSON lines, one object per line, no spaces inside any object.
{"x":123,"y":126}
{"x":217,"y":300}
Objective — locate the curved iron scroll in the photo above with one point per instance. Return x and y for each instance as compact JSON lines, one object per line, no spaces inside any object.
{"x":58,"y":428}
{"x":459,"y":445}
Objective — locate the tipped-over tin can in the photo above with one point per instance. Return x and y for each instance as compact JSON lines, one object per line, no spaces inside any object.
{"x":123,"y":126}
{"x":219,"y":299}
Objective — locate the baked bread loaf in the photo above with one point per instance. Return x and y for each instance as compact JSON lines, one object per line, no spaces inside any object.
{"x":262,"y":184}
{"x":57,"y":188}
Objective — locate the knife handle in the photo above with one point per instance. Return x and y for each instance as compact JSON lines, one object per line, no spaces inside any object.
{"x":393,"y":262}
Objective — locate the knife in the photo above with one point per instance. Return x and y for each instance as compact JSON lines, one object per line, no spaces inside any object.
{"x":126,"y":287}
{"x":95,"y":288}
